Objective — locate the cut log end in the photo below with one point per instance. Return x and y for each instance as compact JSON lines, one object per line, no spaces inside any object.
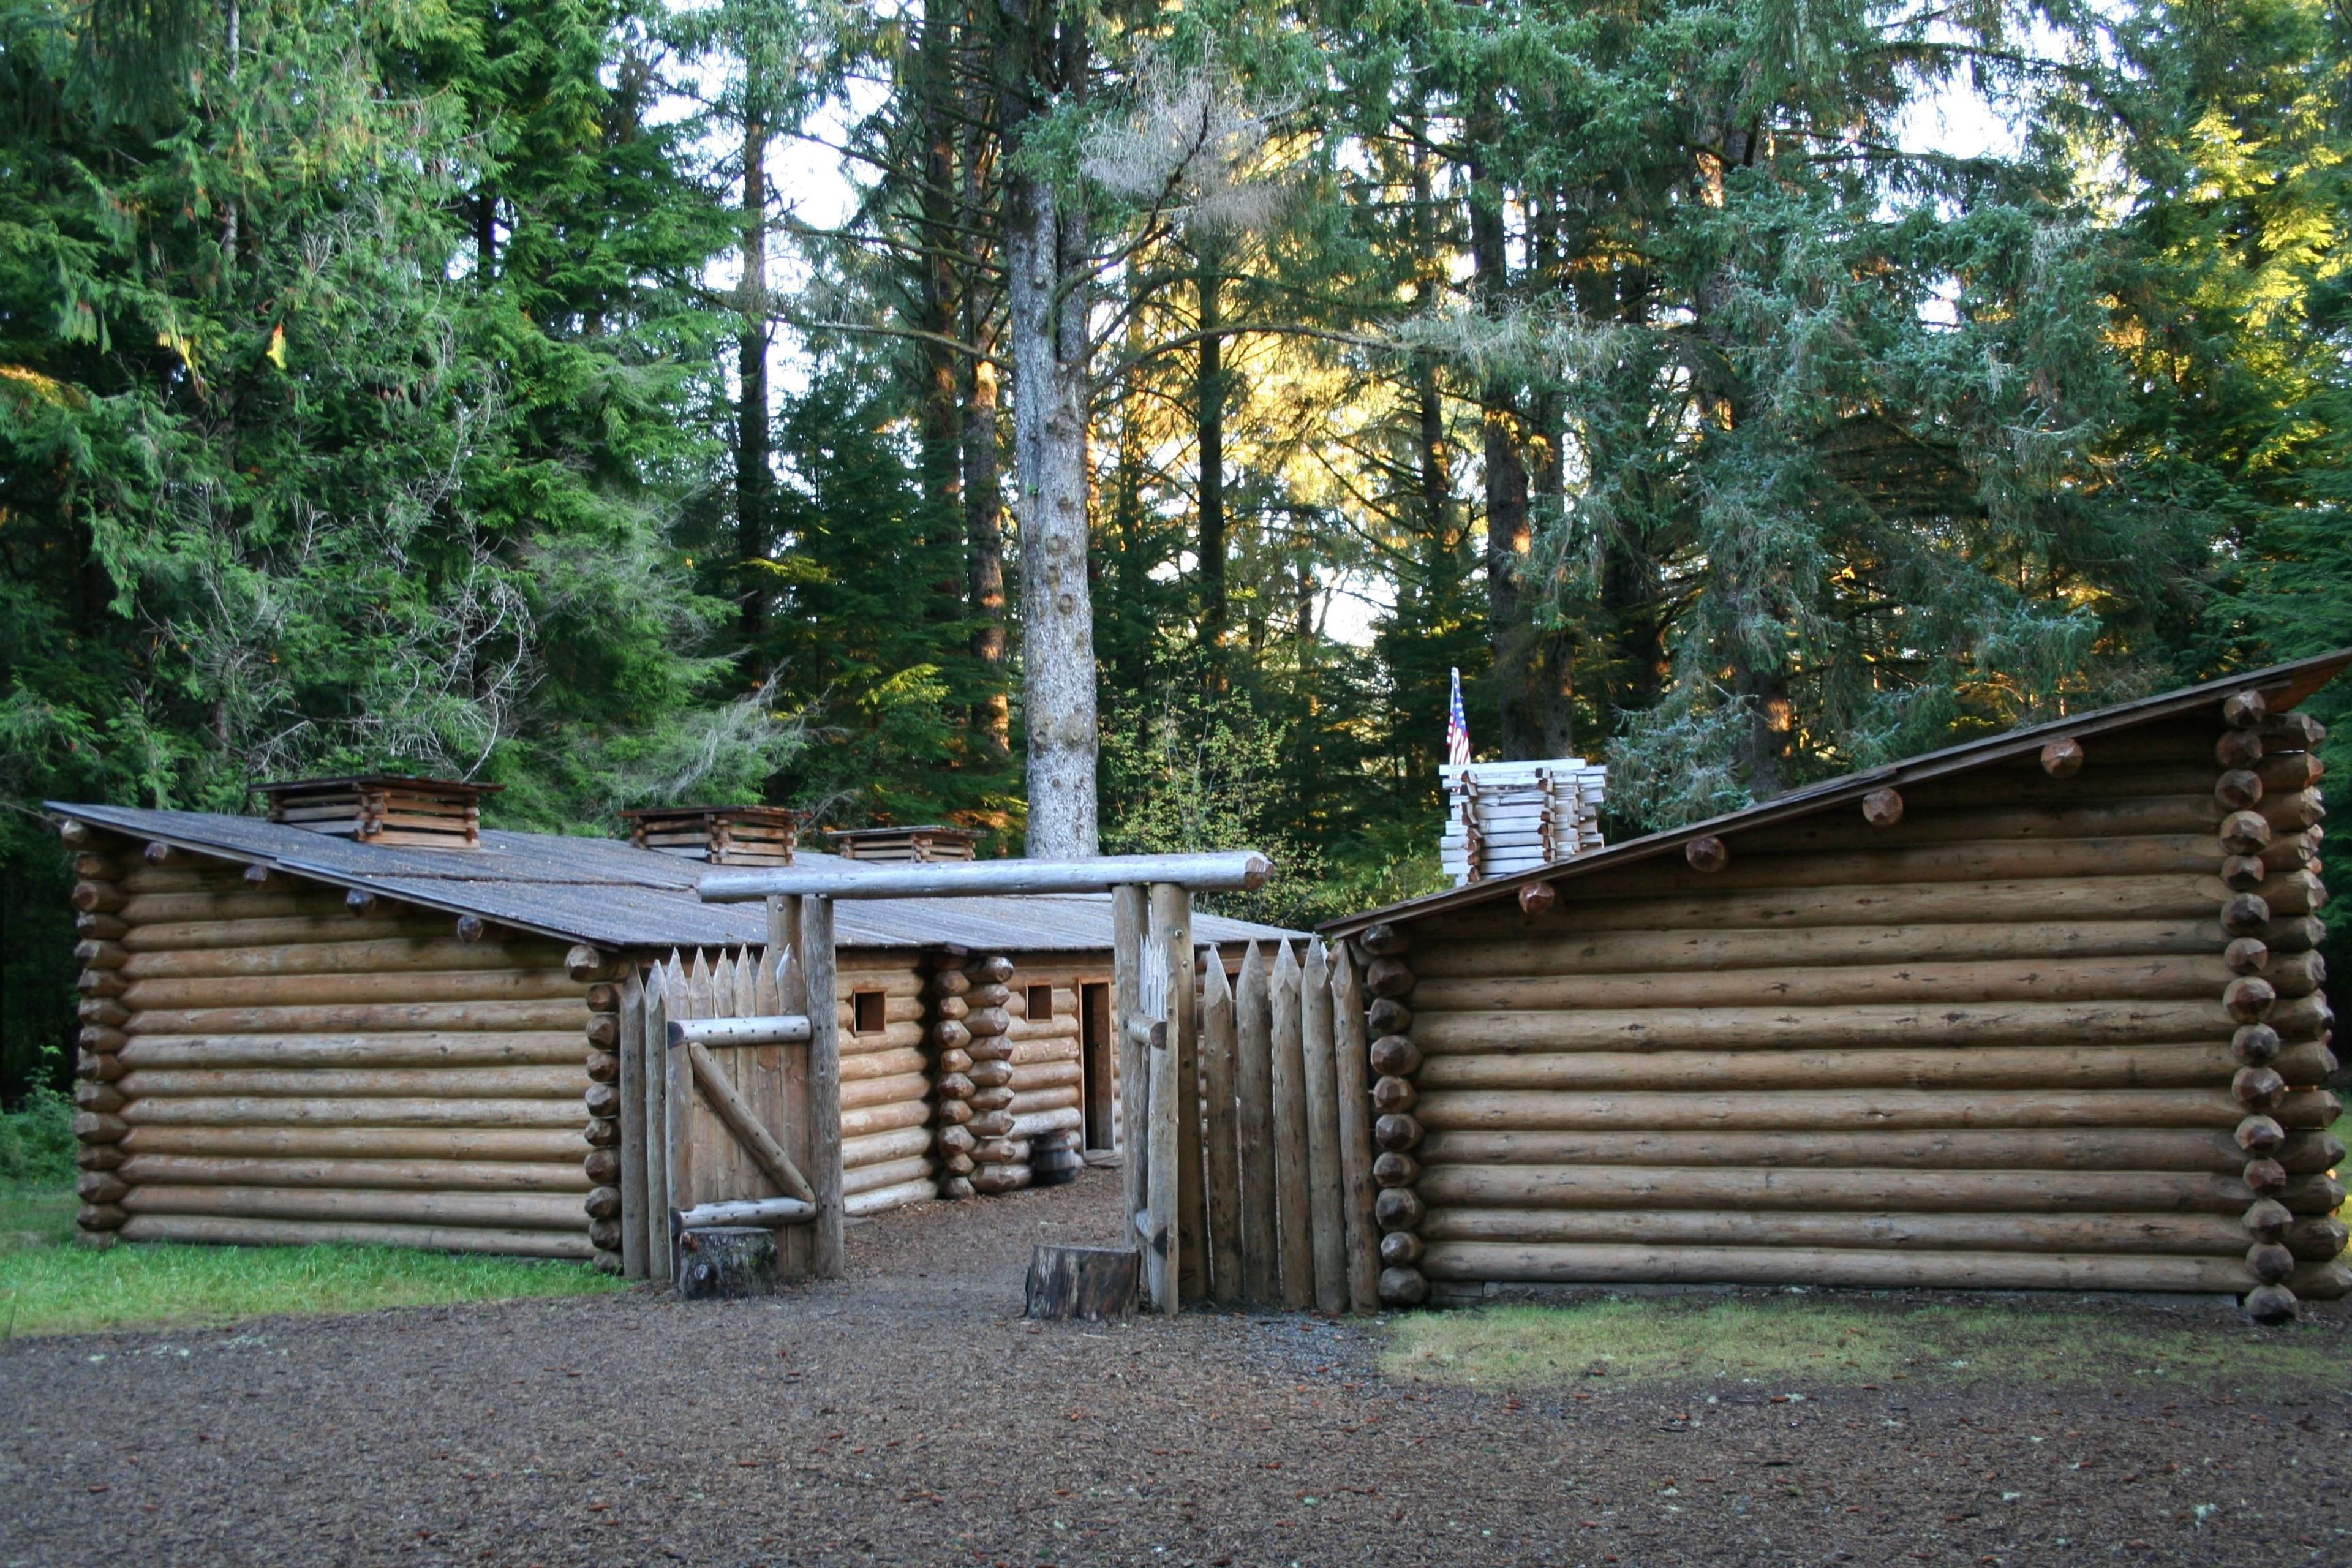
{"x":2256,"y":1045}
{"x":1538,"y":899}
{"x":2269,"y":1305}
{"x":2244,"y":710}
{"x":360,"y":901}
{"x":1708,"y":854}
{"x":1883,"y":807}
{"x":2238,"y":749}
{"x":2063,"y":758}
{"x":1403,"y":1288}
{"x":2238,"y":789}
{"x":2269,"y":1262}
{"x":1383,"y":941}
{"x":1395,"y":1055}
{"x":1388,"y":977}
{"x":2247,"y":914}
{"x":2261,"y":1135}
{"x":1086,"y":1283}
{"x":2246,"y":956}
{"x":470,"y":927}
{"x":1401,"y":1249}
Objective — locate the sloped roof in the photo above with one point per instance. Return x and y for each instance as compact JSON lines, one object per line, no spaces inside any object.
{"x":612,"y":894}
{"x":2281,"y":685}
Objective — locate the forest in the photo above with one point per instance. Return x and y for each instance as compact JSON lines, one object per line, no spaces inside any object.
{"x":1108,"y":425}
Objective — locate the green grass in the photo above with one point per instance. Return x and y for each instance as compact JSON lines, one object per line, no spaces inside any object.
{"x":50,"y":1285}
{"x":1805,"y":1342}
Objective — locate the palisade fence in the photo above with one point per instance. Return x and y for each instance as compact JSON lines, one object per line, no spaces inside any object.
{"x":1248,"y":1099}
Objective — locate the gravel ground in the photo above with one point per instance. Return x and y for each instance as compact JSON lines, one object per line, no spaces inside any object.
{"x":907,"y":1414}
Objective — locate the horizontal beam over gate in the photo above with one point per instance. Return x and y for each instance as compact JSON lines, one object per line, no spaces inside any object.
{"x":1225,"y":871}
{"x":783,"y":1029}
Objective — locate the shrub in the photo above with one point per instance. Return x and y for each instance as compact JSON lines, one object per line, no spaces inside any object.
{"x":37,"y":1140}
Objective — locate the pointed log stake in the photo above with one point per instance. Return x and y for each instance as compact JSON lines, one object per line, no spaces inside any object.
{"x":1254,"y":1081}
{"x":1350,"y":1056}
{"x":2063,"y":758}
{"x":1219,"y":1071}
{"x":1883,"y":807}
{"x":1708,"y":854}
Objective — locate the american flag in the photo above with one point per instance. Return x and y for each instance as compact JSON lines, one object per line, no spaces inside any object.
{"x":1457,"y":728}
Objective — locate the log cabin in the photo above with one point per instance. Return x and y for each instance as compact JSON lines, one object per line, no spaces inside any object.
{"x":368,"y":1018}
{"x":2041,"y":1011}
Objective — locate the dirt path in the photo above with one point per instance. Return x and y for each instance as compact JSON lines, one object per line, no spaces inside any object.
{"x":906,"y":1415}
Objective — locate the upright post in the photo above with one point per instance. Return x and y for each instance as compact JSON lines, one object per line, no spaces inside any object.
{"x":1171,"y":924}
{"x":1127,"y":922}
{"x":795,"y":1243}
{"x":824,"y":1084}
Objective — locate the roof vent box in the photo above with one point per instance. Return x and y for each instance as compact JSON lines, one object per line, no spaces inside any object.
{"x":384,"y":808}
{"x":721,"y":835}
{"x":925,"y":844}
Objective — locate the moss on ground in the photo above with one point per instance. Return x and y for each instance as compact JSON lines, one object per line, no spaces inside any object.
{"x":1808,"y":1340}
{"x":49,"y":1285}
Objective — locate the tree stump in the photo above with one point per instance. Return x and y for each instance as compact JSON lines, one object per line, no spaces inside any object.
{"x":718,"y":1261}
{"x":1087,"y":1282}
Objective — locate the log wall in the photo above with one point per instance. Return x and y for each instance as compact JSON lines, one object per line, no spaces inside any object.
{"x":888,"y":1153}
{"x":265,"y":1063}
{"x":2052,"y":1026}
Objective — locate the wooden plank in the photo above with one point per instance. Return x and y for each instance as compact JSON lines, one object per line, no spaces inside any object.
{"x":1171,"y":923}
{"x":652,"y":1218}
{"x":1129,"y":925}
{"x":1293,"y":1224}
{"x":824,"y":1089}
{"x":727,"y":1103}
{"x":1324,"y":1209}
{"x":1218,"y":1048}
{"x":1254,"y":1087}
{"x":633,"y":1235}
{"x":1351,"y":1077}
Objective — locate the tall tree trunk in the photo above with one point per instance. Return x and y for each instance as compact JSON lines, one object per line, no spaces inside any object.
{"x":984,"y":513}
{"x":938,"y":418}
{"x":1208,"y":398}
{"x":1045,"y":268}
{"x":754,"y":478}
{"x":1508,"y":537}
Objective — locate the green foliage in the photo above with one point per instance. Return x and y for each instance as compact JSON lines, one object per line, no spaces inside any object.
{"x":37,"y":1140}
{"x":69,"y":1289}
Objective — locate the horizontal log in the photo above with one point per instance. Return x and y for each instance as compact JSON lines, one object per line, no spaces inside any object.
{"x":882,"y":1064}
{"x":1949,"y":1024}
{"x":1827,"y":1111}
{"x":293,"y":900}
{"x":1570,"y":1264}
{"x":391,"y":956}
{"x":508,"y":1211}
{"x":1026,"y":1102}
{"x":881,"y":1199}
{"x":250,"y":1232}
{"x":352,"y":988}
{"x":768,"y":1213}
{"x":1047,"y":1075}
{"x":503,"y":1016}
{"x":861,"y":1093}
{"x":1054,"y":1048}
{"x":269,"y":1112}
{"x":2176,"y":976}
{"x":907,"y":1008}
{"x":2161,"y":897}
{"x":545,"y":1047}
{"x":559,"y":1176}
{"x":2052,"y":1149}
{"x":1234,"y":871}
{"x":892,"y":1037}
{"x":259,"y":933}
{"x":525,"y":1145}
{"x":314,"y":1083}
{"x":2004,"y":1067}
{"x":2191,"y":850}
{"x":878,"y":1148}
{"x":1036,"y":1123}
{"x":873,"y":1118}
{"x":777,"y":1029}
{"x":2190,"y":1234}
{"x":887,"y":1174}
{"x":1928,"y":1191}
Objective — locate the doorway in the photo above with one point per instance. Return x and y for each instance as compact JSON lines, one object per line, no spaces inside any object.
{"x":1095,"y":1066}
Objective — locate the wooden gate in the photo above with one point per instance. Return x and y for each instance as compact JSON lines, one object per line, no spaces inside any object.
{"x":730,"y":1105}
{"x":1250,"y":1107}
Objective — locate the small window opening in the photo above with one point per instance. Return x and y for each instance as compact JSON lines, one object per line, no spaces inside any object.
{"x":1041,"y":1002}
{"x":867,"y":1006}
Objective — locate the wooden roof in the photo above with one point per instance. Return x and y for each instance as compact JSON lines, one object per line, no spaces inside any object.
{"x":611,"y":894}
{"x":2281,"y":685}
